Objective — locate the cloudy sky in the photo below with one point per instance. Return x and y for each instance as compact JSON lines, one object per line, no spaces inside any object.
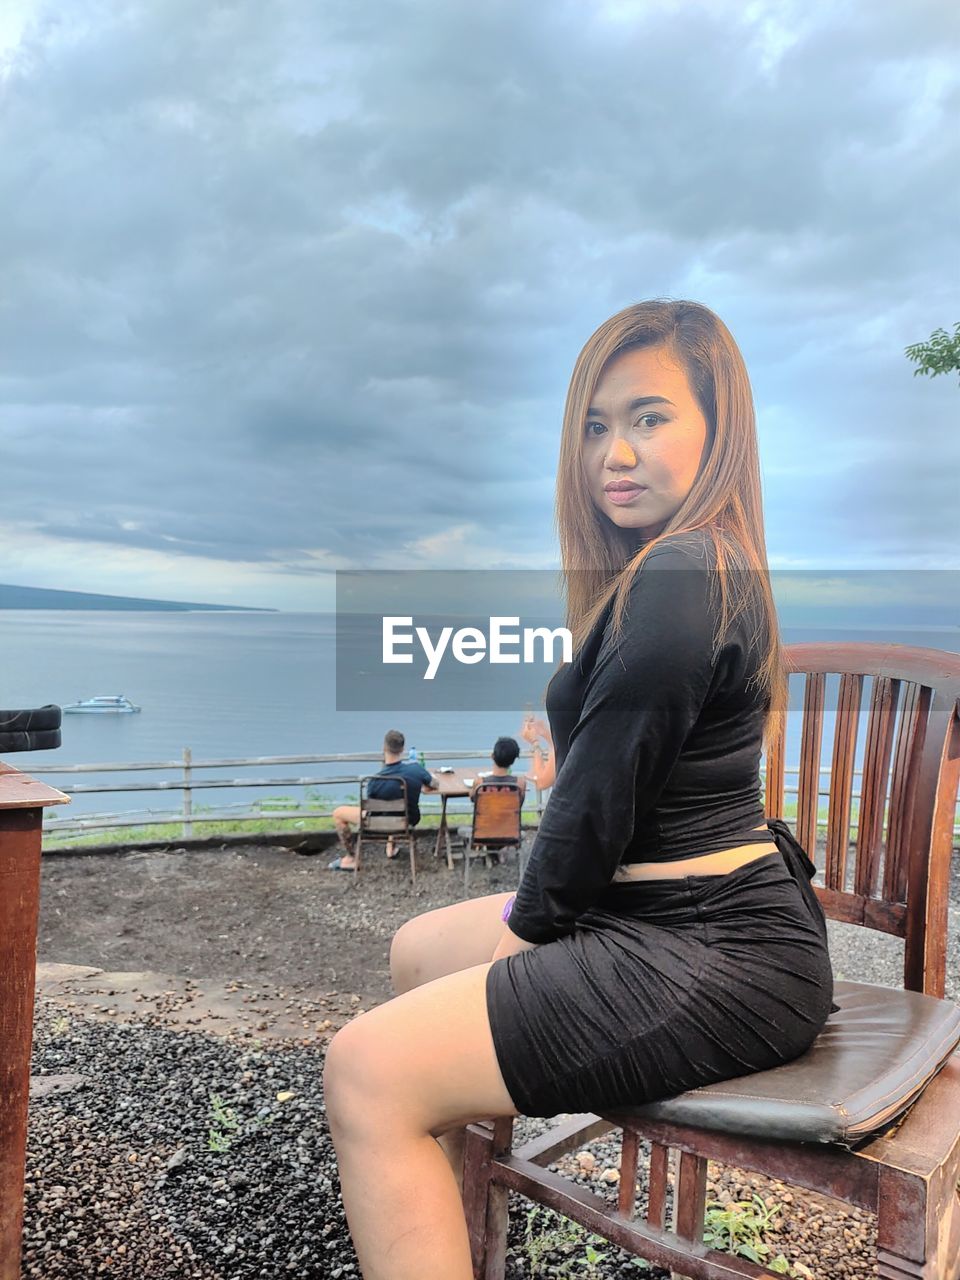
{"x":295,"y":286}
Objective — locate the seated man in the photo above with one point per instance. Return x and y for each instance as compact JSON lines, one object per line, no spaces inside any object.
{"x":505,"y":753}
{"x":384,"y":787}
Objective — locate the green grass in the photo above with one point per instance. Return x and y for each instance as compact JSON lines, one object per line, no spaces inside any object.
{"x":739,"y":1228}
{"x":282,"y":821}
{"x":278,"y":819}
{"x":282,"y":815}
{"x":171,"y":832}
{"x":547,"y":1232}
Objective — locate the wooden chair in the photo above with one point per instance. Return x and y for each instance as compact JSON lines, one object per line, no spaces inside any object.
{"x":386,"y":820}
{"x":871,"y":1114}
{"x":496,"y":822}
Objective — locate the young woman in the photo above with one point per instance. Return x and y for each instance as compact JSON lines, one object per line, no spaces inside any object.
{"x":659,"y":939}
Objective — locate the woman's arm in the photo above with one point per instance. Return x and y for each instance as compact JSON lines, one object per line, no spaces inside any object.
{"x":642,"y":698}
{"x":542,"y":765}
{"x":543,"y":768}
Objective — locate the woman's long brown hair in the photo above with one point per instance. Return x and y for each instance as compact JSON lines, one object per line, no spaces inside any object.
{"x":599,"y":558}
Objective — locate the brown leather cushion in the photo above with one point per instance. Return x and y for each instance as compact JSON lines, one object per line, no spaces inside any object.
{"x":871,"y":1060}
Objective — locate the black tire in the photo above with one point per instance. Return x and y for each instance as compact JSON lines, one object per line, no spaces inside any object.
{"x":47,"y":717}
{"x":36,"y":740}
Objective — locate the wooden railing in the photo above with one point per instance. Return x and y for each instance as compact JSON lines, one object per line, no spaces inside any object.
{"x":191,"y":781}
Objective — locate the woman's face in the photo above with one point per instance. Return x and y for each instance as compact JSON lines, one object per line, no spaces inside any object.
{"x":643,"y":439}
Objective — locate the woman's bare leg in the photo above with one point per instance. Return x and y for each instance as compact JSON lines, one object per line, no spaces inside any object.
{"x":445,"y":941}
{"x":441,"y":942}
{"x":394,"y":1079}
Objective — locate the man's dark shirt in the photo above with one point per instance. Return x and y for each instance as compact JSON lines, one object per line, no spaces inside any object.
{"x":386,"y":787}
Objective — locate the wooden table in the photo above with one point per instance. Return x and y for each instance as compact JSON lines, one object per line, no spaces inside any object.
{"x":22,"y":801}
{"x":452,"y":785}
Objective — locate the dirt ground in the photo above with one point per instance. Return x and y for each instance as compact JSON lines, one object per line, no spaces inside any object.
{"x":268,"y":948}
{"x":275,"y":919}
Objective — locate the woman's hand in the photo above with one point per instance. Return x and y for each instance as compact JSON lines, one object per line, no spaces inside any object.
{"x":511,"y":945}
{"x":533,"y":729}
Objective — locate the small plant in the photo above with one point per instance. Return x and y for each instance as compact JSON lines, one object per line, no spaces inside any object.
{"x":59,"y":1025}
{"x":222,"y":1124}
{"x":740,"y":1227}
{"x":594,"y":1256}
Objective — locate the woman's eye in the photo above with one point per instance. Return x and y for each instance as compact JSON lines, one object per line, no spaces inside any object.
{"x":595,"y":429}
{"x":649,"y":420}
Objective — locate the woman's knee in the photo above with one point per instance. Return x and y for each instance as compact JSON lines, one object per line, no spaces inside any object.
{"x":407,"y":955}
{"x":446,"y":940}
{"x":349,"y":1071}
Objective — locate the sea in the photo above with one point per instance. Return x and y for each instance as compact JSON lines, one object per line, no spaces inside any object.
{"x":238,"y":685}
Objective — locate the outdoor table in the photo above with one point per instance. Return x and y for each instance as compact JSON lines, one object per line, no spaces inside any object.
{"x":22,"y":800}
{"x":452,"y":785}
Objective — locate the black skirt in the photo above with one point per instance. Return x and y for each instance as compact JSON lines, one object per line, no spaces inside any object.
{"x":663,"y":986}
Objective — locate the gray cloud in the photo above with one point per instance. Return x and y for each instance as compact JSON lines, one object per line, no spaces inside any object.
{"x":300,"y":278}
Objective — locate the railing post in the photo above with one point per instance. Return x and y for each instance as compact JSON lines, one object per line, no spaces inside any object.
{"x":187,"y":793}
{"x":21,"y":815}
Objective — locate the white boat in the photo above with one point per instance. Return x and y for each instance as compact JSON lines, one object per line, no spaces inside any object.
{"x":104,"y":704}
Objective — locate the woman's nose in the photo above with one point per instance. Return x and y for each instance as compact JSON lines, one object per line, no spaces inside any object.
{"x":620,"y":456}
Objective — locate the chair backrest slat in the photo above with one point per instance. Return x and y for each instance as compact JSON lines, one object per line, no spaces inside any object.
{"x":873,"y":785}
{"x":375,"y":805}
{"x":903,"y":785}
{"x":841,"y":779}
{"x":902,"y":825}
{"x":808,"y":783}
{"x":380,"y":816}
{"x":926,"y":964}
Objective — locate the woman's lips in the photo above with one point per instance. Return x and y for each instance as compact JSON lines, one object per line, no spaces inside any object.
{"x":622,"y":496}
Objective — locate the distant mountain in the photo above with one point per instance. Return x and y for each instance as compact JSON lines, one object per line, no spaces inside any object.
{"x":42,"y":598}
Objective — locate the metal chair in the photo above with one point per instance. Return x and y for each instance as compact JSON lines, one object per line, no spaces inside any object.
{"x":871,"y":1114}
{"x":496,"y":822}
{"x":385,"y":820}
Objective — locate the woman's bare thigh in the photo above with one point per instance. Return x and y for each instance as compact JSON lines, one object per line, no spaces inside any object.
{"x":446,"y":940}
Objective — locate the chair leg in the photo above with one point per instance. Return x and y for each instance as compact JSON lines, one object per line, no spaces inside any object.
{"x":918,"y":1226}
{"x":413,"y":859}
{"x":485,"y":1203}
{"x":467,"y":850}
{"x":689,"y":1200}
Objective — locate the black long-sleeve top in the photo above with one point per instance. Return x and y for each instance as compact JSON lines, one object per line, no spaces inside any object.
{"x":657,"y":740}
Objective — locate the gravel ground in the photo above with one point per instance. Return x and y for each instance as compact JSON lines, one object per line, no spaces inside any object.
{"x":157,"y":1152}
